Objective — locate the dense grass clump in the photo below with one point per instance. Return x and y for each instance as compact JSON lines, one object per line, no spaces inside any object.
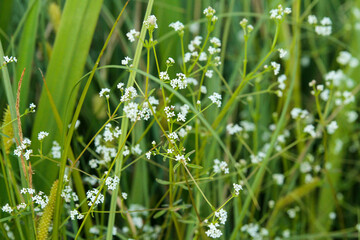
{"x":179,"y":119}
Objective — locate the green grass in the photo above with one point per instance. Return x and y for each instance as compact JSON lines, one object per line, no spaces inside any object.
{"x":72,"y":50}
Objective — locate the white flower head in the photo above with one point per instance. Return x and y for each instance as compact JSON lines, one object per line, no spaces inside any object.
{"x":132,"y":35}
{"x":209,"y":12}
{"x":126,"y":61}
{"x":237,"y":188}
{"x":331,"y":128}
{"x":216,"y":98}
{"x":104,"y":92}
{"x":279,"y":12}
{"x":177,"y":26}
{"x":42,"y":135}
{"x":150,"y":22}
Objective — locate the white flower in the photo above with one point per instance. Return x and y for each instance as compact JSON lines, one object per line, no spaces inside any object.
{"x":209,"y":12}
{"x":331,"y":128}
{"x":237,"y":188}
{"x":312,"y":19}
{"x":112,"y":182}
{"x":120,"y":86}
{"x":216,"y":98}
{"x":203,"y":56}
{"x":216,"y":42}
{"x":104,"y":92}
{"x":180,"y":158}
{"x":124,"y":195}
{"x":27,"y":154}
{"x":42,"y":135}
{"x":310,"y":129}
{"x":299,"y":113}
{"x":325,"y":28}
{"x":164,"y":76}
{"x":282,"y":53}
{"x":91,"y":196}
{"x":150,"y":23}
{"x":332,"y":215}
{"x":220,"y":166}
{"x":130,"y":93}
{"x":73,"y":214}
{"x":221,"y":215}
{"x":278,"y":178}
{"x":279,"y":12}
{"x":56,"y":150}
{"x":170,"y":61}
{"x":276,"y":67}
{"x":9,"y":59}
{"x":213,"y":232}
{"x":177,"y":26}
{"x":32,"y":107}
{"x":136,"y":149}
{"x":132,"y":35}
{"x":126,"y":61}
{"x":209,"y":73}
{"x":351,"y":116}
{"x":7,"y":208}
{"x":232,"y":129}
{"x":281,"y":80}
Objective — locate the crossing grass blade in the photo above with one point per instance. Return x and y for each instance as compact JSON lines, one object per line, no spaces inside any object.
{"x":26,"y":50}
{"x":66,"y":65}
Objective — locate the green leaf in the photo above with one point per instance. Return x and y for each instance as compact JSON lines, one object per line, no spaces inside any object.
{"x":159,"y":214}
{"x":163,"y":182}
{"x":194,"y":166}
{"x":66,"y":66}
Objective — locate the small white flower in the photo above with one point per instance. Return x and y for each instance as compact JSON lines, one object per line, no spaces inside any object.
{"x":7,"y":208}
{"x":32,"y":107}
{"x":221,"y":215}
{"x":310,"y":129}
{"x":42,"y":135}
{"x":233,"y":128}
{"x":177,"y":26}
{"x":209,"y":12}
{"x":132,"y":35}
{"x":282,"y":53}
{"x":150,"y":22}
{"x":276,"y":67}
{"x":27,"y":154}
{"x":312,"y":19}
{"x":170,"y":61}
{"x":213,"y":232}
{"x":126,"y":61}
{"x":331,"y":128}
{"x":104,"y":92}
{"x":220,"y":166}
{"x":278,"y":178}
{"x":279,"y":12}
{"x":124,"y":195}
{"x":237,"y":188}
{"x":91,"y":196}
{"x":209,"y":73}
{"x":216,"y":98}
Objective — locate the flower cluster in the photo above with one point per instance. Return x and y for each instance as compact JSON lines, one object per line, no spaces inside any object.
{"x":22,"y":149}
{"x":325,"y":27}
{"x":279,"y":12}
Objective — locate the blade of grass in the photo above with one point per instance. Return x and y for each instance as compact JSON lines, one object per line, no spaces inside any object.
{"x":125,"y":125}
{"x":26,"y":50}
{"x":68,"y":59}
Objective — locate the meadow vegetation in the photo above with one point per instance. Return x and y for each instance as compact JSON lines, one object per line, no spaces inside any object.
{"x":178,"y":119}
